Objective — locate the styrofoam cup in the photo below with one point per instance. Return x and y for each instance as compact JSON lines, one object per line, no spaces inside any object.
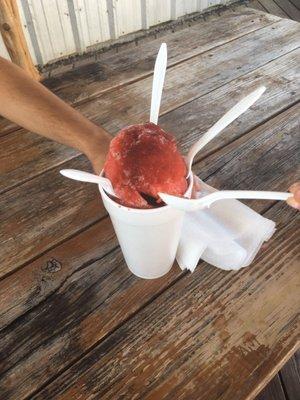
{"x":148,"y":238}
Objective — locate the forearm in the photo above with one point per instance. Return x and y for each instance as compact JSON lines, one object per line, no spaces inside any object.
{"x":32,"y":106}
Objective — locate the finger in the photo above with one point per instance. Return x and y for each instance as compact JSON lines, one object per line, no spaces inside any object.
{"x":297,"y":195}
{"x":293,"y":203}
{"x":294,"y":187}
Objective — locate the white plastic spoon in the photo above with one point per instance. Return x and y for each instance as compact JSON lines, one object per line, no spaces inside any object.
{"x":83,"y":176}
{"x":185,"y":204}
{"x":158,"y":82}
{"x":223,"y":122}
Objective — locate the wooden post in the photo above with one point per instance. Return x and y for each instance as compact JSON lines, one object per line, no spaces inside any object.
{"x":13,"y":37}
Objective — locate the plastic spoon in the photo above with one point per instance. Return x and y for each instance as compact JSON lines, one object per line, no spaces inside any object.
{"x":185,"y":204}
{"x":229,"y":117}
{"x":83,"y":176}
{"x":158,"y":82}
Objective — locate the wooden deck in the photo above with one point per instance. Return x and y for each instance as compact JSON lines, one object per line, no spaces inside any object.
{"x":75,"y":324}
{"x":286,"y":384}
{"x":281,"y":8}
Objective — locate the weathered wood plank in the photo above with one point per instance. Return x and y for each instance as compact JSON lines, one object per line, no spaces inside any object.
{"x":128,"y":65}
{"x":36,"y":154}
{"x":111,"y":69}
{"x":196,"y":117}
{"x":256,"y":159}
{"x":296,"y":3}
{"x":97,"y":297}
{"x":105,"y":293}
{"x":7,"y":126}
{"x":291,"y":379}
{"x":218,"y":103}
{"x":134,"y":63}
{"x":189,"y":123}
{"x":273,"y":8}
{"x":297,"y":357}
{"x":84,"y":296}
{"x":14,"y":306}
{"x":257,"y":6}
{"x":35,"y":211}
{"x":185,"y":82}
{"x":230,"y":328}
{"x":45,"y":275}
{"x":49,"y":210}
{"x":273,"y":391}
{"x":289,"y":8}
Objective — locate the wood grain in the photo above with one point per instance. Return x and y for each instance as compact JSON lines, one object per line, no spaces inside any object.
{"x":290,"y":377}
{"x":46,"y":274}
{"x":128,"y":65}
{"x":76,"y":324}
{"x":28,"y":213}
{"x":200,"y":338}
{"x":288,"y":7}
{"x":88,"y":191}
{"x":297,"y":358}
{"x":45,"y":211}
{"x":185,"y":82}
{"x":7,"y":126}
{"x":36,"y":155}
{"x":257,"y":6}
{"x":98,"y":297}
{"x":273,"y":391}
{"x":189,"y":123}
{"x":273,"y":8}
{"x":113,"y":69}
{"x":214,"y":169}
{"x":296,"y":3}
{"x":255,"y":159}
{"x":194,"y":118}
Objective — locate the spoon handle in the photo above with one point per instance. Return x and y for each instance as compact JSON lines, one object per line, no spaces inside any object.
{"x":185,"y":204}
{"x":158,"y":82}
{"x":245,"y":194}
{"x":81,"y":176}
{"x":223,"y":122}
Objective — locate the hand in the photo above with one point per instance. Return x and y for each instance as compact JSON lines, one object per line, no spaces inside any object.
{"x":96,"y":148}
{"x":295,"y":200}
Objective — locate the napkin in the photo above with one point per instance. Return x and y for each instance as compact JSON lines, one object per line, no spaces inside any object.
{"x":227,"y":235}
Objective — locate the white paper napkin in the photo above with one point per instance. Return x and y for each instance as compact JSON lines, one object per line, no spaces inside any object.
{"x":227,"y":235}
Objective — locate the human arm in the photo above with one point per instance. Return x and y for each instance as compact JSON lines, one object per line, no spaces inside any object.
{"x":31,"y":105}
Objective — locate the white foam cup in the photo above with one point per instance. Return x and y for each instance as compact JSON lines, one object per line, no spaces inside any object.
{"x":148,"y":237}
